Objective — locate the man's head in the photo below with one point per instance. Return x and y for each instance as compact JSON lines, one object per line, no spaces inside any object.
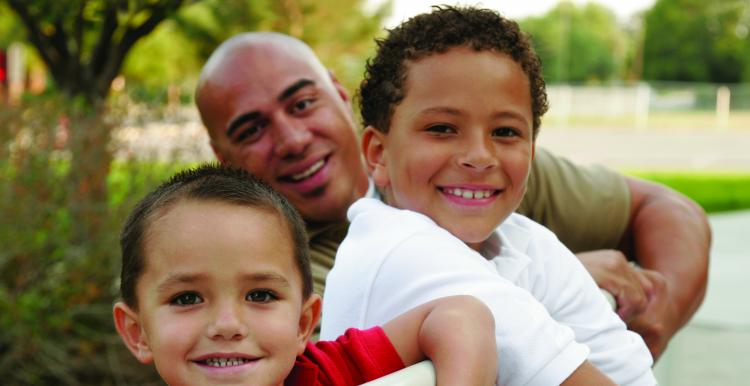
{"x":273,"y":109}
{"x":452,"y":102}
{"x":384,"y":86}
{"x":216,"y":281}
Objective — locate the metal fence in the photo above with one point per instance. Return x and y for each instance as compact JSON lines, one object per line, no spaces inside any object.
{"x":635,"y":105}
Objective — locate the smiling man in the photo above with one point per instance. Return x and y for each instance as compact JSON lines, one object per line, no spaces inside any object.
{"x":285,"y":120}
{"x":271,"y":108}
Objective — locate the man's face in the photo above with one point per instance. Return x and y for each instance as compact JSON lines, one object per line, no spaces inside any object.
{"x":460,"y":144}
{"x":276,"y":114}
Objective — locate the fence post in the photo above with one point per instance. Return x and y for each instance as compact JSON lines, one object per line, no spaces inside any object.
{"x":723,"y":98}
{"x":16,"y":72}
{"x":642,"y":104}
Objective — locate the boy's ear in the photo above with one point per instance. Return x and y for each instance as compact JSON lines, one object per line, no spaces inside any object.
{"x":308,"y":320}
{"x":129,"y":328}
{"x":373,"y":148}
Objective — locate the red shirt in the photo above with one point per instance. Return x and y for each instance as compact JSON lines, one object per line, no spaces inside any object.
{"x":354,"y":358}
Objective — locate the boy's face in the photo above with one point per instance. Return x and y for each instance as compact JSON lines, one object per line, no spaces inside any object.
{"x":460,"y":143}
{"x":220,"y":299}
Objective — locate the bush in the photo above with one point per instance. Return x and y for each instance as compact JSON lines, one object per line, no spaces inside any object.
{"x":59,"y":261}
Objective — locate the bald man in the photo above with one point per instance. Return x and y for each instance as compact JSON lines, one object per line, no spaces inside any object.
{"x":272,"y":108}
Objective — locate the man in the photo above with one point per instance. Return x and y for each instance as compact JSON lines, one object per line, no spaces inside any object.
{"x":272,"y":108}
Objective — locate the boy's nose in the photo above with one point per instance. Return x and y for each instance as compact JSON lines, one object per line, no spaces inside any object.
{"x":292,"y":136}
{"x":227,"y":324}
{"x":478,"y":155}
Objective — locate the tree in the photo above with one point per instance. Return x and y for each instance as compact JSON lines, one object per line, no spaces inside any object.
{"x":699,"y":41}
{"x":578,"y":43}
{"x":84,"y":42}
{"x":339,"y":31}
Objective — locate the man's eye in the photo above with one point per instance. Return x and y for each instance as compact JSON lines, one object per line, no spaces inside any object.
{"x":186,"y":299}
{"x":505,"y":132}
{"x":441,"y":129}
{"x":301,"y":105}
{"x":260,"y":296}
{"x":250,"y":131}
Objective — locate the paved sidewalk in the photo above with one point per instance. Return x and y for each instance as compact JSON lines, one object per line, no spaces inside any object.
{"x":714,"y":348}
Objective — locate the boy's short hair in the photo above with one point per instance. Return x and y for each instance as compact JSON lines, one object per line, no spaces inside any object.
{"x":209,"y":182}
{"x":445,"y":27}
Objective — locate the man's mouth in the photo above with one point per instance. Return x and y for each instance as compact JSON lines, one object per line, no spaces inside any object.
{"x":224,"y":362}
{"x":308,"y":172}
{"x":473,"y":194}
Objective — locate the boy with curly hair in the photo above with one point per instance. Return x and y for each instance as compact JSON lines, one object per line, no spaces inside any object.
{"x":452,"y":104}
{"x":216,"y":290}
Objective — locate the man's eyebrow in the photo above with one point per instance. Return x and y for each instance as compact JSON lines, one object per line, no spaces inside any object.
{"x":289,"y":91}
{"x":237,"y":122}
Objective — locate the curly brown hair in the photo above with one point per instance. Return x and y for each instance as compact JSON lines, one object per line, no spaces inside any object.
{"x":445,"y":27}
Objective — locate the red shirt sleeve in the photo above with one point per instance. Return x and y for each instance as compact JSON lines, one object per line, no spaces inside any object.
{"x":354,"y":358}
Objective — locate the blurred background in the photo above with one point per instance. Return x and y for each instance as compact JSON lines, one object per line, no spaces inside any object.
{"x":96,"y":107}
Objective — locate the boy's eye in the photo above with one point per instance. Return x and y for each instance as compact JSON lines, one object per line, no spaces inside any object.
{"x":504,"y":132}
{"x":260,"y":296}
{"x":186,"y":299}
{"x":441,"y":129}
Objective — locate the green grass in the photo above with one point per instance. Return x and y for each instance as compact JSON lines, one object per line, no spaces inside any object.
{"x":715,"y":192}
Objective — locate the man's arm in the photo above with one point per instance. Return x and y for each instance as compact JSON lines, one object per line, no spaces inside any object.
{"x":669,"y":236}
{"x":664,"y":232}
{"x":456,"y":333}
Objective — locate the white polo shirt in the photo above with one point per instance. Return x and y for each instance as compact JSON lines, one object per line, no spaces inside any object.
{"x":549,"y":313}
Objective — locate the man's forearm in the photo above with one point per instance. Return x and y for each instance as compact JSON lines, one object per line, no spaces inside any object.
{"x":670,"y":234}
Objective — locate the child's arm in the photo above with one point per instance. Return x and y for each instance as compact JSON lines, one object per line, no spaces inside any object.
{"x":457,"y":333}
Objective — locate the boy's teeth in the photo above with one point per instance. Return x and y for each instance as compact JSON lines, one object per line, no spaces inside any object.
{"x":312,"y":169}
{"x":225,"y":362}
{"x":468,"y":193}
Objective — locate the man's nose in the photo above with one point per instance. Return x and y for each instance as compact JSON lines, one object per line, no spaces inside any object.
{"x":227,"y":323}
{"x":292,"y":136}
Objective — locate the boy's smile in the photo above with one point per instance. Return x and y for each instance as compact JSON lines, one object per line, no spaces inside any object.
{"x":220,"y":296}
{"x":460,"y":143}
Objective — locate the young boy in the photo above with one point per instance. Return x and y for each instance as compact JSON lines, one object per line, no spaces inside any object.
{"x":452,"y":104}
{"x":216,"y":289}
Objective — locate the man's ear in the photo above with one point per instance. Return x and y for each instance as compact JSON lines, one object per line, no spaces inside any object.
{"x":373,"y":148}
{"x":129,"y":328}
{"x":308,"y":320}
{"x":339,"y":87}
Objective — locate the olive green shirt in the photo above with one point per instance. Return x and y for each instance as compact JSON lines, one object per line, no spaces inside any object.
{"x":587,"y":208}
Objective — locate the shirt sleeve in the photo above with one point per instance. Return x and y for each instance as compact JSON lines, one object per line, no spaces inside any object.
{"x":354,"y":358}
{"x":588,"y":208}
{"x":533,"y":349}
{"x":570,"y":294}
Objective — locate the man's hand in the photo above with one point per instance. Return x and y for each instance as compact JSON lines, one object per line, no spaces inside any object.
{"x":656,"y":323}
{"x":642,"y":296}
{"x":612,"y":272}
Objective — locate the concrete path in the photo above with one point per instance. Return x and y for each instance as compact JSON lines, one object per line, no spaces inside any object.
{"x":714,"y":348}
